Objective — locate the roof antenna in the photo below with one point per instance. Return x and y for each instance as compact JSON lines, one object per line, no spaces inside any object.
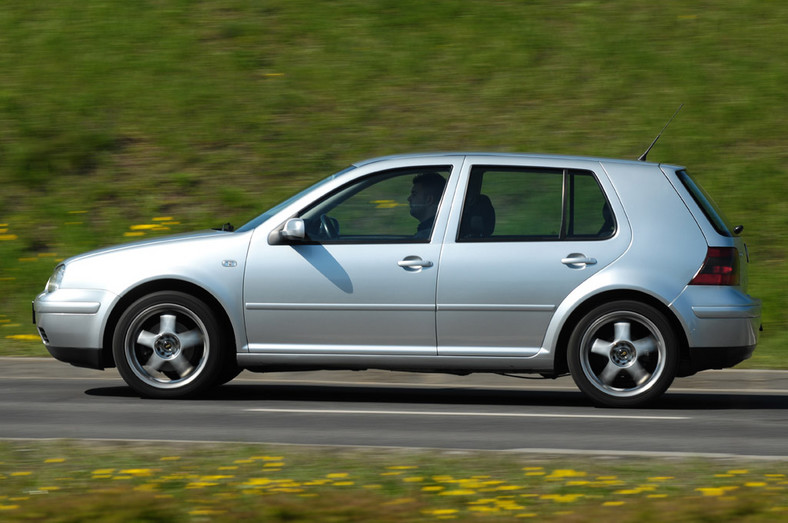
{"x":642,"y":157}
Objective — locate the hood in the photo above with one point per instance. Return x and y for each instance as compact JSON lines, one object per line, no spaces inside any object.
{"x":185,"y":237}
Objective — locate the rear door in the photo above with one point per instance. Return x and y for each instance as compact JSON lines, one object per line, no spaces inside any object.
{"x":524,"y":234}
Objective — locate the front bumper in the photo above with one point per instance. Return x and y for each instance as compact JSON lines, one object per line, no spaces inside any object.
{"x":71,"y":324}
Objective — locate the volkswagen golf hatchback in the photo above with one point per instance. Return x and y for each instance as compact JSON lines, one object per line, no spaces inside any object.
{"x":623,"y":274}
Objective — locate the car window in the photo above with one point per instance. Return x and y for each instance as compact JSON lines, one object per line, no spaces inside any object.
{"x":387,"y":207}
{"x":532,"y":204}
{"x":707,"y":205}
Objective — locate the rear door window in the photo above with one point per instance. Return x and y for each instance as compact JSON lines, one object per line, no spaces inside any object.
{"x":534,"y":204}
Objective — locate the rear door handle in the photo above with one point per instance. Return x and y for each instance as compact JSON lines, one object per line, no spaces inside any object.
{"x":578,"y":260}
{"x":414,"y":262}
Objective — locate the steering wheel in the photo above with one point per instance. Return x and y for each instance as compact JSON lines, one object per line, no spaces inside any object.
{"x":329,"y":226}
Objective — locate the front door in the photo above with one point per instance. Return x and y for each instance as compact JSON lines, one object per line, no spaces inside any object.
{"x":362,"y":281}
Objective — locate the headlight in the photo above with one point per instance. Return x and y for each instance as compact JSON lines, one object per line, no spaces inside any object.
{"x":57,"y":276}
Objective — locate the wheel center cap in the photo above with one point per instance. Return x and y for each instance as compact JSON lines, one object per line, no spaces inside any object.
{"x":623,"y":354}
{"x":167,"y":346}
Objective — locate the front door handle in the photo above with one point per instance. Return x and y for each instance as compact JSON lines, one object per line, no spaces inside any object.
{"x":577,"y":260}
{"x":414,"y":263}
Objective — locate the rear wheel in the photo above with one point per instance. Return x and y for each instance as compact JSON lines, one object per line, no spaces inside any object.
{"x":623,"y":354}
{"x":167,"y":345}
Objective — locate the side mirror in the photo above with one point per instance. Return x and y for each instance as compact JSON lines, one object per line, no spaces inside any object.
{"x":294,"y":229}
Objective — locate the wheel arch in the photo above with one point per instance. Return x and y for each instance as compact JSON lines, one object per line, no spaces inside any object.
{"x":562,"y":346}
{"x":156,"y":286}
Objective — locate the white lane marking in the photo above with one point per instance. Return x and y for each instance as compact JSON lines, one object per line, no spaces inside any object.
{"x":468,"y":414}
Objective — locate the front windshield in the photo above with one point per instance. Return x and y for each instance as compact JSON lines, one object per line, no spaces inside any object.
{"x":272,"y":211}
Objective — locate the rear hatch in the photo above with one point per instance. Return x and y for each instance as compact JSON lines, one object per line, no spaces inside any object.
{"x":723,"y":266}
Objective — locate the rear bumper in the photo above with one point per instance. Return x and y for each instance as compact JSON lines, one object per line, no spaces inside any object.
{"x":722,"y":325}
{"x":713,"y":358}
{"x":715,"y":317}
{"x":79,"y":357}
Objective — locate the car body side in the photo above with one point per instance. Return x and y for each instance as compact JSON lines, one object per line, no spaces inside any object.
{"x":656,"y":261}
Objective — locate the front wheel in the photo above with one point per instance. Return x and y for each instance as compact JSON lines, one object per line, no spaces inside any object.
{"x":167,"y":345}
{"x":623,"y":354}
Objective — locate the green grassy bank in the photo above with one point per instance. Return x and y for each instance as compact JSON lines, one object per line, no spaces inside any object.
{"x":121,"y":120}
{"x":63,"y":481}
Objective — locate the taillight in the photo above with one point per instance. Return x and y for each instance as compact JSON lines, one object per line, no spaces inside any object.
{"x":721,"y":267}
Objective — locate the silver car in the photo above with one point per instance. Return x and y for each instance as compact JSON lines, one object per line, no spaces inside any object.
{"x":621,"y":273}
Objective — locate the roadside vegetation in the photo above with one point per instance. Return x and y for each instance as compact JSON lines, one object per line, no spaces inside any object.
{"x":124,"y":120}
{"x":62,"y":481}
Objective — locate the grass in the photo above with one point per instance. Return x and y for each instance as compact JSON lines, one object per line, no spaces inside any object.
{"x":65,"y":481}
{"x":115,"y":114}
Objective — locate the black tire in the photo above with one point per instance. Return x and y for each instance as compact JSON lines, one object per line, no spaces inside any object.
{"x":168,"y":345}
{"x":623,"y":354}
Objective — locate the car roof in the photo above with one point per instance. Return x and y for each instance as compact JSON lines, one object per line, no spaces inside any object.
{"x":534,"y":156}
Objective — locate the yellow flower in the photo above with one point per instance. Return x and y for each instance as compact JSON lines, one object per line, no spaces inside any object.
{"x":441,"y":512}
{"x":206,"y":512}
{"x":458,"y":492}
{"x":562,"y":498}
{"x":24,"y":337}
{"x":711,"y":491}
{"x":628,"y":492}
{"x":565,"y":473}
{"x":432,"y":488}
{"x":715,"y":491}
{"x":385,"y":204}
{"x":257,"y":482}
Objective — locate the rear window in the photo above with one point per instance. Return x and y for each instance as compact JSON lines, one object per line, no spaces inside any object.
{"x":707,"y":205}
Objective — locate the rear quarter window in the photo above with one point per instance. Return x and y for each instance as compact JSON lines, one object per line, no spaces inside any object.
{"x":706,"y":204}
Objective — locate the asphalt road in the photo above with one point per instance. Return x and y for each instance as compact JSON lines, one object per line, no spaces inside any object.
{"x":731,"y":412}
